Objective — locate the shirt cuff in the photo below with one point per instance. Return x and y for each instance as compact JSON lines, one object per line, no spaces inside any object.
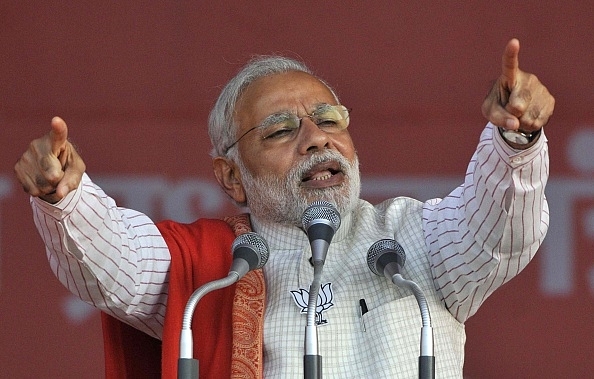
{"x":515,"y":157}
{"x":62,"y":208}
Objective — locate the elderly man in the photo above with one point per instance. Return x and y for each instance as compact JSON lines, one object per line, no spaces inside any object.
{"x":280,"y":141}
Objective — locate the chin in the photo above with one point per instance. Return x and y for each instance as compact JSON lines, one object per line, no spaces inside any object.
{"x":341,"y":197}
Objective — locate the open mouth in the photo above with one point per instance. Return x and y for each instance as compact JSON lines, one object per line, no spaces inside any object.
{"x":325,"y":173}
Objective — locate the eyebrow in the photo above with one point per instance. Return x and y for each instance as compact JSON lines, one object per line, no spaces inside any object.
{"x":275,"y":118}
{"x":286,"y":114}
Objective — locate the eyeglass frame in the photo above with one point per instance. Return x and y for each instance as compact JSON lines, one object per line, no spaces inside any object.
{"x":300,"y":119}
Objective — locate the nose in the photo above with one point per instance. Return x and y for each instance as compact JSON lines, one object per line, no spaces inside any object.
{"x":312,"y":138}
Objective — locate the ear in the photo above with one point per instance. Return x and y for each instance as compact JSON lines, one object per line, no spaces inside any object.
{"x":229,"y":178}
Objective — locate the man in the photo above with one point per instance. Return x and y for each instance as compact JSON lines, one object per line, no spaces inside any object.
{"x":280,"y":141}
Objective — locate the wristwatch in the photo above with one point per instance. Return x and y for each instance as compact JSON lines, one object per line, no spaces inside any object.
{"x":519,"y":137}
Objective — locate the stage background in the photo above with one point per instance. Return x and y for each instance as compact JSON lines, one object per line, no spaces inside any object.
{"x":135,"y":81}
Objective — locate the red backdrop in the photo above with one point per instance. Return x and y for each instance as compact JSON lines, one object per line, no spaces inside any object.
{"x":135,"y":82}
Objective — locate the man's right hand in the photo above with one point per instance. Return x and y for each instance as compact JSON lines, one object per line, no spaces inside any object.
{"x":51,"y":167}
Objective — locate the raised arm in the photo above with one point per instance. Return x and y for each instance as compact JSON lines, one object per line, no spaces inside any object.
{"x":486,"y":231}
{"x":111,"y":257}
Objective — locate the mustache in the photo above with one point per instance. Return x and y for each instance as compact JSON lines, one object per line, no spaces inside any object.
{"x":303,"y":167}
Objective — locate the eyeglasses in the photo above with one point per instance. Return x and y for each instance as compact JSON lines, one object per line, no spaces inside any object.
{"x":283,"y":127}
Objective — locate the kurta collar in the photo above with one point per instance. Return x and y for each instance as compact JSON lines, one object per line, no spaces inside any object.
{"x":291,"y":237}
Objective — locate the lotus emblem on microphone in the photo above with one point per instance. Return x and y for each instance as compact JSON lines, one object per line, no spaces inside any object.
{"x":325,"y":297}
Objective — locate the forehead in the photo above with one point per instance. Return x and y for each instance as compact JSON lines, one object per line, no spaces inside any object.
{"x":293,"y":91}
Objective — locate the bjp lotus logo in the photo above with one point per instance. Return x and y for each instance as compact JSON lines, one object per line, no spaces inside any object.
{"x":325,"y":297}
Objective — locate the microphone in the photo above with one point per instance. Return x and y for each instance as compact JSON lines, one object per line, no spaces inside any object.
{"x":320,"y":221}
{"x":250,"y":252}
{"x":386,"y":257}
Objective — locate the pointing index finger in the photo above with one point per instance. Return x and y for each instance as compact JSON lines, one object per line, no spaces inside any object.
{"x":58,"y":135}
{"x":510,"y":63}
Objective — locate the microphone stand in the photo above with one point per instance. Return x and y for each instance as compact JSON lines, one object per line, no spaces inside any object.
{"x":187,"y":365}
{"x":312,"y":360}
{"x":426,"y":357}
{"x":320,"y":221}
{"x":250,"y":251}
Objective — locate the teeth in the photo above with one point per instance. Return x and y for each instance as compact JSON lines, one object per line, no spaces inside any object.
{"x":327,"y":176}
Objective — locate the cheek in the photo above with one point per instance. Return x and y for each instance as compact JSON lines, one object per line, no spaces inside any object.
{"x":270,"y":162}
{"x":279,"y":163}
{"x":345,"y":146}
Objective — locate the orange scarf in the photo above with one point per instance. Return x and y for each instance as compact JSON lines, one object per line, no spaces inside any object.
{"x":227,"y":325}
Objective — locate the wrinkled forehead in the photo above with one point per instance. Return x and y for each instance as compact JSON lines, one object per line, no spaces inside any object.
{"x":293,"y":91}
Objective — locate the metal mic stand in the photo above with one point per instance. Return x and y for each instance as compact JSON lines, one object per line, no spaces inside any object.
{"x":312,"y":360}
{"x":426,"y":357}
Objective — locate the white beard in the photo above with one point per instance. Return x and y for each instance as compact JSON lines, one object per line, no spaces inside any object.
{"x":283,"y":199}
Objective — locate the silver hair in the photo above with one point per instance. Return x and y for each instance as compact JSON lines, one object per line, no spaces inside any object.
{"x":222,"y":127}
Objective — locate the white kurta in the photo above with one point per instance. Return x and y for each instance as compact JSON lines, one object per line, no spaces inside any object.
{"x":459,"y":250}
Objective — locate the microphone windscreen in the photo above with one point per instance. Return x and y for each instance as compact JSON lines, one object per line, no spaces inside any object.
{"x":252,"y":248}
{"x":321,"y":211}
{"x":383,"y":252}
